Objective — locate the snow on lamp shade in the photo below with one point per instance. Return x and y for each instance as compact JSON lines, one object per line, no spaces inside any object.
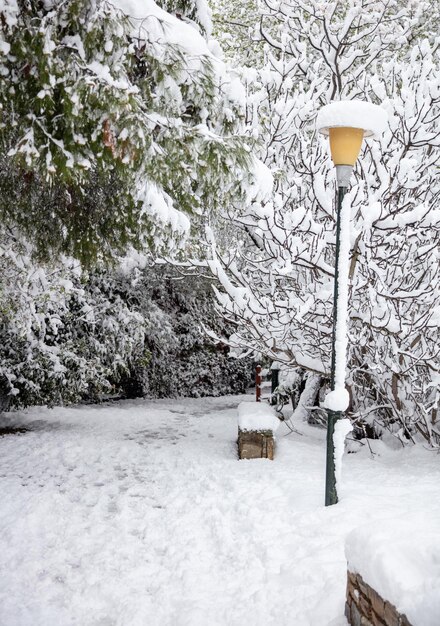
{"x":347,"y":122}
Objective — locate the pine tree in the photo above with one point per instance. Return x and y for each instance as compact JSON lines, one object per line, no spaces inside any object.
{"x":112,"y":129}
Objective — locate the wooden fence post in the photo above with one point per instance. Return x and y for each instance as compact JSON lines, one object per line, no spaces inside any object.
{"x":258,"y":383}
{"x":275,"y":380}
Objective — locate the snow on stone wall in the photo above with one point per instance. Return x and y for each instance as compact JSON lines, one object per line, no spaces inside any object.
{"x":400,"y":560}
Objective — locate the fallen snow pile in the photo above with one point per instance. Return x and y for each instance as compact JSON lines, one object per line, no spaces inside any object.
{"x":257,"y":416}
{"x":400,"y":559}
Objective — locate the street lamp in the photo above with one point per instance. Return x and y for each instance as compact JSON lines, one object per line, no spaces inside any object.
{"x":346,"y":123}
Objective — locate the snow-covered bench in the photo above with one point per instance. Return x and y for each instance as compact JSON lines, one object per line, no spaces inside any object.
{"x":394,"y":573}
{"x":257,"y":422}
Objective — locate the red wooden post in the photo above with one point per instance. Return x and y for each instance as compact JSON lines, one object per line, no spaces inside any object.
{"x":258,"y":383}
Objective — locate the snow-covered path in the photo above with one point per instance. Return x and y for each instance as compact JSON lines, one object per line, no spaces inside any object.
{"x":139,"y":514}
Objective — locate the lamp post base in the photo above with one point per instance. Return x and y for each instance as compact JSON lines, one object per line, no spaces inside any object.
{"x":331,"y":495}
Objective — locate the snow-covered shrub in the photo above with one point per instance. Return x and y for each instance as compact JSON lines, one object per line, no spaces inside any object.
{"x":183,"y":361}
{"x":65,"y":335}
{"x":277,"y":282}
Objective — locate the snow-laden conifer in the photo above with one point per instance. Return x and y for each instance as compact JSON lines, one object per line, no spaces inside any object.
{"x":116,"y":120}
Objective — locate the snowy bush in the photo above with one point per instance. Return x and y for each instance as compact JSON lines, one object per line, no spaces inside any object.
{"x":183,"y":361}
{"x":64,"y":335}
{"x":277,"y":282}
{"x":67,"y":335}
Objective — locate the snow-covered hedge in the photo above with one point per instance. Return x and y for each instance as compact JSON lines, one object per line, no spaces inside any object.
{"x":68,"y":335}
{"x":65,"y":335}
{"x":182,"y":360}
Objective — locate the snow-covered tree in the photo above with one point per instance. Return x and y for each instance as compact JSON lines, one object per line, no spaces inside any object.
{"x":277,"y":283}
{"x":117,"y":122}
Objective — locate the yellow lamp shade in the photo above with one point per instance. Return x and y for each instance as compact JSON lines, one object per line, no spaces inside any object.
{"x":345,"y":144}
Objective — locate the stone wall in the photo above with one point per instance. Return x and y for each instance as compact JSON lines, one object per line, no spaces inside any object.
{"x":365,"y":607}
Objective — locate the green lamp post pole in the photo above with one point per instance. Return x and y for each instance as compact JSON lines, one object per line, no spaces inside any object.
{"x":346,"y":123}
{"x":331,"y":496}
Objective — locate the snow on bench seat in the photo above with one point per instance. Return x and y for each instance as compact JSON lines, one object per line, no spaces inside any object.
{"x":257,"y":416}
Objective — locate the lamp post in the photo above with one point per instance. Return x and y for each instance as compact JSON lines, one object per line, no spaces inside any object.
{"x":346,"y":123}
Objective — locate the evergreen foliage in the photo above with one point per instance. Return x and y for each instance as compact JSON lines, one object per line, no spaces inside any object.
{"x":110,"y":129}
{"x":196,"y":11}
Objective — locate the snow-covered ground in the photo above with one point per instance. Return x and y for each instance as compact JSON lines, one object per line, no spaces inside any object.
{"x":139,"y":514}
